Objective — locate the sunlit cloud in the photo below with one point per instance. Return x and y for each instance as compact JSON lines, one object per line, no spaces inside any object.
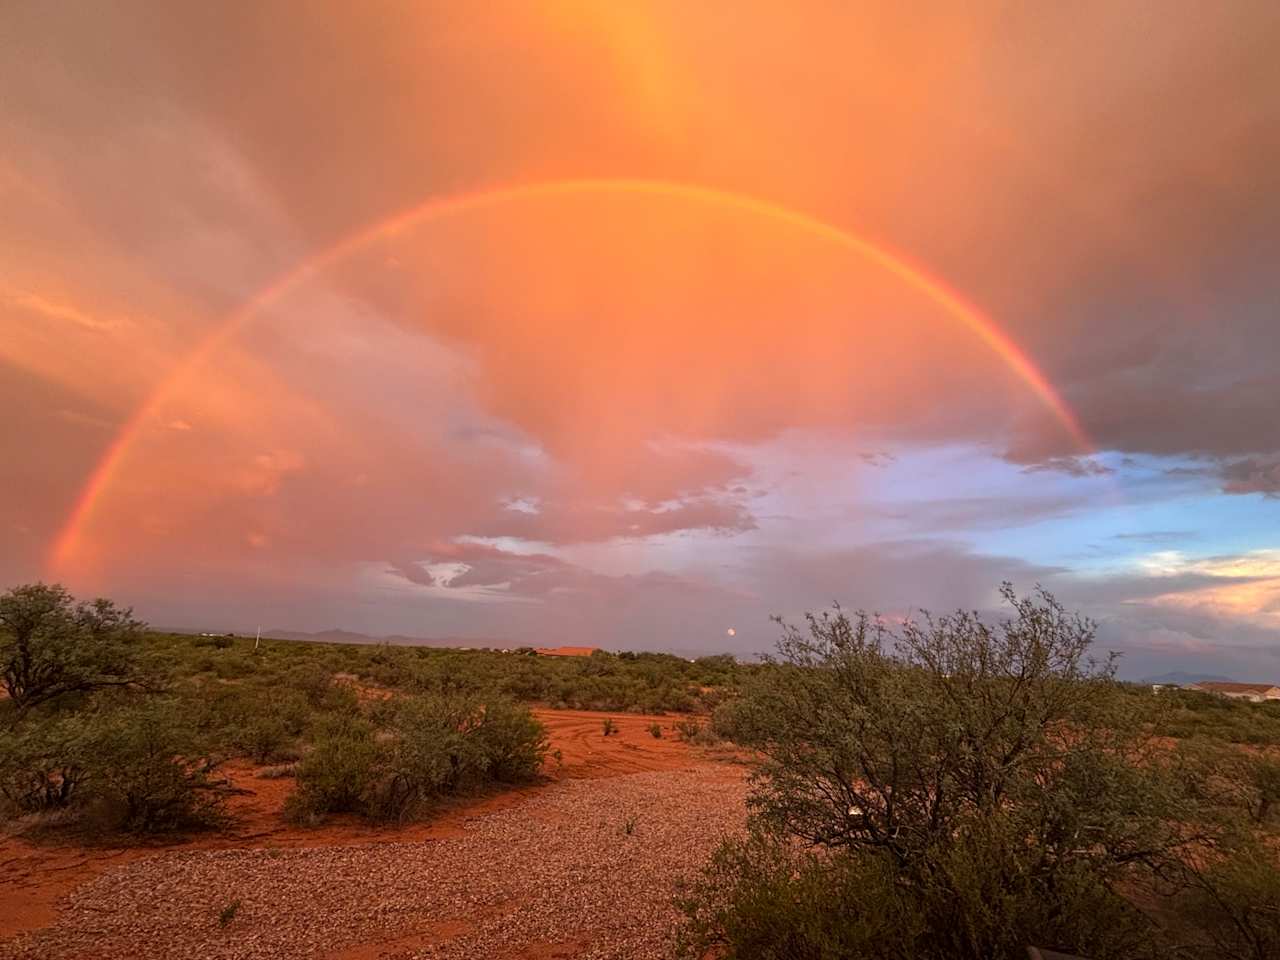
{"x":1250,"y":588}
{"x":677,"y":319}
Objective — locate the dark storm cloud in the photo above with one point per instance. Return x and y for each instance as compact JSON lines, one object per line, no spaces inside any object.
{"x":1252,"y":475}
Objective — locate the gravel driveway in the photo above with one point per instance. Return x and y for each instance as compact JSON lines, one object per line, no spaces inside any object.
{"x":580,"y":869}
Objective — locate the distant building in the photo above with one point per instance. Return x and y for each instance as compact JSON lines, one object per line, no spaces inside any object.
{"x":566,"y":651}
{"x":1157,"y":687}
{"x":1255,"y":692}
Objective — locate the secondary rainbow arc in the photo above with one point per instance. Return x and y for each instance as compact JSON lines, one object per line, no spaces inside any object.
{"x":952,"y":302}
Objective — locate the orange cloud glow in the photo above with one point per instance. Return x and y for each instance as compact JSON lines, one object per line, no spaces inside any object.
{"x":660,"y":347}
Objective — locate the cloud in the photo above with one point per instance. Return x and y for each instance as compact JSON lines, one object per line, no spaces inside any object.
{"x":51,"y":310}
{"x":877,"y":458}
{"x":1157,"y":536}
{"x":1071,"y":466}
{"x":609,"y":376}
{"x":1168,"y":607}
{"x":1252,"y":475}
{"x":262,"y":476}
{"x":955,"y":513}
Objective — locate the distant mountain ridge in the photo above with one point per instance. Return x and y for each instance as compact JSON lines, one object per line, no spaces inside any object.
{"x":1183,"y":679}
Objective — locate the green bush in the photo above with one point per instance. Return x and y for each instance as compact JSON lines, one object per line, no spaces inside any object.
{"x":431,"y":746}
{"x":43,"y":765}
{"x":262,"y":722}
{"x":513,"y":742}
{"x":766,"y":898}
{"x":51,"y":646}
{"x":1192,"y":713}
{"x":147,"y":773}
{"x":233,"y":666}
{"x":444,"y":745}
{"x":955,"y":789}
{"x":340,"y":774}
{"x":770,"y":900}
{"x":264,"y":739}
{"x":1229,"y":781}
{"x":1233,"y":908}
{"x":698,"y":733}
{"x":132,"y":767}
{"x":312,"y":680}
{"x":687,"y":729}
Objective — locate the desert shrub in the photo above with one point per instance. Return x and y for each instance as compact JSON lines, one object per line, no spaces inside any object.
{"x":687,"y":729}
{"x":233,"y":666}
{"x":263,"y":739}
{"x":434,"y":753}
{"x":340,"y":774}
{"x":724,"y":718}
{"x":390,"y":668}
{"x":983,"y":786}
{"x":43,"y":765}
{"x":1193,"y":713}
{"x":698,"y":733}
{"x":261,"y":722}
{"x":766,"y":899}
{"x":50,"y":646}
{"x":293,"y":710}
{"x":655,"y":731}
{"x":312,"y":680}
{"x":513,"y":742}
{"x":339,"y":699}
{"x":147,"y":772}
{"x":609,"y":726}
{"x":1230,"y":781}
{"x":449,"y":744}
{"x":1232,"y":910}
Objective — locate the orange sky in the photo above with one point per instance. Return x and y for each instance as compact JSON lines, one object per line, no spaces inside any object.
{"x":615,"y":380}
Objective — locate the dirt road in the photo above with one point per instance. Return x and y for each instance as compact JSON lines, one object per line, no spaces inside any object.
{"x":581,"y":866}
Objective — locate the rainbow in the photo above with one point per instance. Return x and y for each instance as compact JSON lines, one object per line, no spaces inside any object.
{"x":66,"y":543}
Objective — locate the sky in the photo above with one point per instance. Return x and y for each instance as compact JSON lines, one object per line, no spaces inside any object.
{"x":634,"y":324}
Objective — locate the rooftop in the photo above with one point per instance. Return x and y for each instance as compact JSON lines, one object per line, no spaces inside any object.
{"x":1222,"y":686}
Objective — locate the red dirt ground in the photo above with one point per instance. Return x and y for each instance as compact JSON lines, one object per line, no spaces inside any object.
{"x":34,"y":877}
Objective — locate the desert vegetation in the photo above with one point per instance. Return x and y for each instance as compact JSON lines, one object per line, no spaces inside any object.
{"x":427,"y":747}
{"x":940,"y":788}
{"x":948,"y":788}
{"x":110,"y":728}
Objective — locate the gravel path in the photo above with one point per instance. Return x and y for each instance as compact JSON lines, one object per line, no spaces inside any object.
{"x":558,"y":875}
